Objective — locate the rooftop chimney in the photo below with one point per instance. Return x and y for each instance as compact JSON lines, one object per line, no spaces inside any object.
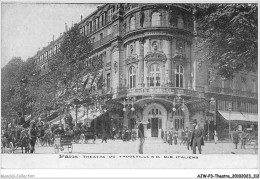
{"x":81,"y":18}
{"x":53,"y":38}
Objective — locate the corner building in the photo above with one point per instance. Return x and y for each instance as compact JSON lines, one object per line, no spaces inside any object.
{"x":151,"y":67}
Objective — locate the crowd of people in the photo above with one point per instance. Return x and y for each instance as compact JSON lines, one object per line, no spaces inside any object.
{"x":192,"y":137}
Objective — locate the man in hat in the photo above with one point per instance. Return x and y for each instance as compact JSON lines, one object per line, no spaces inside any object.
{"x":196,"y":139}
{"x":21,"y":118}
{"x":141,"y":137}
{"x":32,"y":135}
{"x":59,"y":131}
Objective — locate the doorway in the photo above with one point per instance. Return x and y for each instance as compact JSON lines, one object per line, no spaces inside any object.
{"x":154,"y":127}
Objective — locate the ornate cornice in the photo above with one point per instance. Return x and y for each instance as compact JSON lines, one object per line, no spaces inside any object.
{"x":132,"y":59}
{"x":155,"y":56}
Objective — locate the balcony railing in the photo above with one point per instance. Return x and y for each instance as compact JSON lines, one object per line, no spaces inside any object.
{"x":199,"y":91}
{"x":102,"y":41}
{"x":233,"y":92}
{"x":158,"y":91}
{"x":159,"y":23}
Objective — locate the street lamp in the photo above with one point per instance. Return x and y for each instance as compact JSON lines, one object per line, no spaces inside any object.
{"x":229,"y":126}
{"x":212,"y":110}
{"x":176,"y":101}
{"x":128,"y":102}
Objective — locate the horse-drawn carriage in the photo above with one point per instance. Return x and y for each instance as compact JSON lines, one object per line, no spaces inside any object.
{"x":61,"y":141}
{"x":47,"y":138}
{"x":15,"y":138}
{"x":90,"y":135}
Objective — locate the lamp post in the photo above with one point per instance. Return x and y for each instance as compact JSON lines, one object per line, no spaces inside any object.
{"x":176,"y":101}
{"x":229,"y":126}
{"x":128,"y":102}
{"x":212,"y":110}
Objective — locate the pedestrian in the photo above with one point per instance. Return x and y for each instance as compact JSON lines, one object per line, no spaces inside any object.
{"x":215,"y":136}
{"x":104,"y":137}
{"x":170,"y":136}
{"x":235,"y":136}
{"x":197,"y":137}
{"x":113,"y":133}
{"x":175,"y":137}
{"x":32,"y":136}
{"x":185,"y":136}
{"x":162,"y":133}
{"x":165,"y":137}
{"x":141,"y":137}
{"x":243,"y":139}
{"x":189,"y":133}
{"x":182,"y":137}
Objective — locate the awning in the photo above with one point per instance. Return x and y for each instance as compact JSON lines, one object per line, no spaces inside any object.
{"x":238,"y":116}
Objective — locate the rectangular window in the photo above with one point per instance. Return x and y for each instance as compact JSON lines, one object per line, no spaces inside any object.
{"x":209,"y":77}
{"x":243,"y":83}
{"x":177,"y":80}
{"x":109,"y":16}
{"x":97,"y":24}
{"x":90,"y":27}
{"x":108,"y":81}
{"x":158,"y":82}
{"x":134,"y":81}
{"x":100,"y":21}
{"x":181,"y":81}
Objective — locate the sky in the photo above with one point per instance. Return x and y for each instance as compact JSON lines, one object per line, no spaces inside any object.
{"x":26,"y":27}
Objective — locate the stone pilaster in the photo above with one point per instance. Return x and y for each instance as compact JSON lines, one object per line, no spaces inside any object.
{"x":141,"y":63}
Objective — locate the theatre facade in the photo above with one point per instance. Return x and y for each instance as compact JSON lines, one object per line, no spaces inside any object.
{"x":151,"y":68}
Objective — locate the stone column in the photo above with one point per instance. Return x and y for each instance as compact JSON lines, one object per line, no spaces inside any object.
{"x":141,"y":63}
{"x":173,"y":49}
{"x":168,"y":50}
{"x":145,"y":51}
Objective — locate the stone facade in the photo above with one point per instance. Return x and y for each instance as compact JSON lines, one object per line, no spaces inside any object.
{"x":149,"y":54}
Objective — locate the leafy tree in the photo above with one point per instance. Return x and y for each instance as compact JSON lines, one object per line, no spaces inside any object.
{"x":228,"y":36}
{"x":10,"y":88}
{"x":73,"y":81}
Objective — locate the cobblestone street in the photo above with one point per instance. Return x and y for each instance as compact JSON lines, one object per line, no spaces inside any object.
{"x":151,"y":146}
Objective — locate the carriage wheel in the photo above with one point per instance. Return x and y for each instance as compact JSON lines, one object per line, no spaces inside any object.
{"x":70,"y":148}
{"x":56,"y":148}
{"x":42,"y":141}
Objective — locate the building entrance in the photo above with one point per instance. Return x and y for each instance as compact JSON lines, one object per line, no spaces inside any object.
{"x":154,"y":127}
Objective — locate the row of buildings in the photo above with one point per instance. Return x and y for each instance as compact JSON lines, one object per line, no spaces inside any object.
{"x":152,"y":66}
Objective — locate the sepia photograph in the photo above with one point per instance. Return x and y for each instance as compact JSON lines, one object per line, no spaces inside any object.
{"x":129,"y":85}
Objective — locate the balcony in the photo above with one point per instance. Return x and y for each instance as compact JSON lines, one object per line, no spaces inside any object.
{"x":102,"y":41}
{"x":199,"y":92}
{"x":129,"y":28}
{"x":233,"y":92}
{"x":148,"y":91}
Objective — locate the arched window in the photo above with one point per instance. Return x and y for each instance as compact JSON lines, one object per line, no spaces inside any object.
{"x":179,"y":73}
{"x":156,"y":19}
{"x":132,"y":23}
{"x":154,"y":76}
{"x":180,"y":22}
{"x":132,"y":77}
